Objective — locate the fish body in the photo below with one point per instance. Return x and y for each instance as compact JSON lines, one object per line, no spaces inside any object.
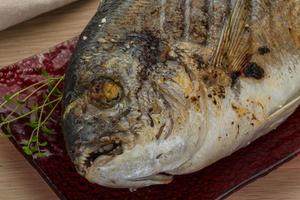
{"x":163,"y":88}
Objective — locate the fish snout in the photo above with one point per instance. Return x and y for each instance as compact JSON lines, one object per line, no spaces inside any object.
{"x":91,"y":139}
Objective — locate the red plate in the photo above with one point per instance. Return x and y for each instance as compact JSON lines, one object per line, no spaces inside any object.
{"x":214,"y":182}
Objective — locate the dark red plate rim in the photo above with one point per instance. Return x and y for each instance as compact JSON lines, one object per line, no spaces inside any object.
{"x":214,"y":182}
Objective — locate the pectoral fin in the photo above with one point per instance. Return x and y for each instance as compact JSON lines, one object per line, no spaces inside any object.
{"x":234,"y":49}
{"x":276,"y":118}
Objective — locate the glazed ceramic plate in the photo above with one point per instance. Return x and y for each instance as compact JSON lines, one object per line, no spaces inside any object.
{"x":214,"y":182}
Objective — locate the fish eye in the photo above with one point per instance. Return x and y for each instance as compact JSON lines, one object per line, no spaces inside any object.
{"x":105,"y":93}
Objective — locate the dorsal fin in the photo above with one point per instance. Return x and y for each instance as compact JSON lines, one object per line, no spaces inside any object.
{"x":234,"y":48}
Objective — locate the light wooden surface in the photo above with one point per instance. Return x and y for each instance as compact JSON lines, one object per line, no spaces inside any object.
{"x":19,"y":181}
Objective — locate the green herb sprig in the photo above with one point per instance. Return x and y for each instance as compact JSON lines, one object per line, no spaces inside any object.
{"x":52,"y":97}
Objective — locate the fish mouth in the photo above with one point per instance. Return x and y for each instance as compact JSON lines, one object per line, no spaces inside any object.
{"x":100,"y":154}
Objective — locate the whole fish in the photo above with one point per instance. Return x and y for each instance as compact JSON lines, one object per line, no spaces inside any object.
{"x":158,"y":88}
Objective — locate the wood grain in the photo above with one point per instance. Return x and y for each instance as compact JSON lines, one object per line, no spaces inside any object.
{"x":19,"y":181}
{"x":39,"y":34}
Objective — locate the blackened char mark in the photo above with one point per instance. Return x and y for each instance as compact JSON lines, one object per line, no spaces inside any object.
{"x":200,"y":61}
{"x":173,"y":26}
{"x":199,"y":21}
{"x":234,"y":77}
{"x":253,"y":70}
{"x":147,"y":50}
{"x":263,"y":50}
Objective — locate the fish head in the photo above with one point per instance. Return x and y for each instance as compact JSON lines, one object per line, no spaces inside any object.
{"x":132,"y":120}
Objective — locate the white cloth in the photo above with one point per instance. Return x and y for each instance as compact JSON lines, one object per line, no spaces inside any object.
{"x":16,"y":11}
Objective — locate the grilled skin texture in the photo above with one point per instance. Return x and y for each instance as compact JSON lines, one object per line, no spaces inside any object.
{"x":158,"y":88}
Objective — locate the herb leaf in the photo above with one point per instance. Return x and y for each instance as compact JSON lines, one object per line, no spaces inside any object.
{"x":8,"y":98}
{"x":27,"y":150}
{"x":25,"y":142}
{"x":44,"y":73}
{"x":46,"y":130}
{"x":43,"y":144}
{"x":34,"y":138}
{"x":47,"y":88}
{"x":33,"y":124}
{"x":40,"y":155}
{"x":20,"y":102}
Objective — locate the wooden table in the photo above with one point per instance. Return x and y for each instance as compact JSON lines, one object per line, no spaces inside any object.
{"x":19,"y":181}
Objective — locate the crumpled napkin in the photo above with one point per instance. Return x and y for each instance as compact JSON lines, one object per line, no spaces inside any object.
{"x":15,"y":11}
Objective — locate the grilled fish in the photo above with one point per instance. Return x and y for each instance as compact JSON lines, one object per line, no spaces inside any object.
{"x":158,"y":88}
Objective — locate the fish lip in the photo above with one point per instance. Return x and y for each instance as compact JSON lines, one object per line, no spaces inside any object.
{"x":97,"y":154}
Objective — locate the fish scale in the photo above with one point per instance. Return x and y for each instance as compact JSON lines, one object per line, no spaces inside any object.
{"x":194,"y":20}
{"x":218,"y":10}
{"x":173,"y":18}
{"x":180,"y":17}
{"x":199,"y":21}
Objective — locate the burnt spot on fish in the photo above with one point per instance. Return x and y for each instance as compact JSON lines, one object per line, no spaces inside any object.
{"x":238,"y":131}
{"x":151,"y":120}
{"x":199,"y":21}
{"x":158,"y":156}
{"x":240,"y":111}
{"x":147,"y":48}
{"x":253,"y":70}
{"x":173,"y":14}
{"x":221,"y":92}
{"x":150,"y":110}
{"x":254,"y":118}
{"x":234,"y":77}
{"x":200,"y":61}
{"x":194,"y":99}
{"x":263,"y":50}
{"x":215,"y":78}
{"x":215,"y":102}
{"x":217,"y":92}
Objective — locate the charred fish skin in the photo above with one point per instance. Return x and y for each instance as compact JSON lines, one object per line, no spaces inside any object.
{"x":165,"y":87}
{"x":157,"y":22}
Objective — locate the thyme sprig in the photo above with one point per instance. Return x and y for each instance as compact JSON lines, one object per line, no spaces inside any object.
{"x":35,"y":114}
